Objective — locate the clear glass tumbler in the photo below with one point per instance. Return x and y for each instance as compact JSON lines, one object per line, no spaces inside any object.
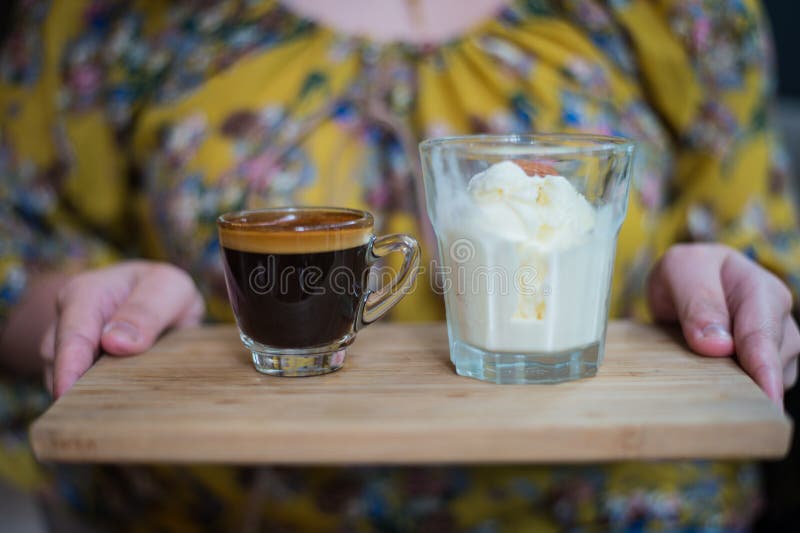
{"x":525,"y":262}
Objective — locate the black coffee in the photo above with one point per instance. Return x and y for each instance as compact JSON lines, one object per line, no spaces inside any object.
{"x":296,"y":281}
{"x":296,"y":300}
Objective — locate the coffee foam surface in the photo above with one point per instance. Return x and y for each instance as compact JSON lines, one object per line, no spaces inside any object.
{"x":295,"y":232}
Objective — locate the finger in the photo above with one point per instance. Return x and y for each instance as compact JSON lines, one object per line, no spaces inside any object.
{"x":790,"y":348}
{"x":77,"y":334}
{"x":162,"y":296}
{"x":194,"y":314}
{"x":48,"y":378}
{"x":685,"y":285}
{"x":47,"y":350}
{"x":759,"y":308}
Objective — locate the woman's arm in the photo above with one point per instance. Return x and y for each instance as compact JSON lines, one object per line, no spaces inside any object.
{"x":65,"y":206}
{"x":25,"y":326}
{"x":730,"y":286}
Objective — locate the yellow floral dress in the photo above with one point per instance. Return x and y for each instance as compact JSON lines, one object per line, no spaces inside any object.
{"x":127,"y":126}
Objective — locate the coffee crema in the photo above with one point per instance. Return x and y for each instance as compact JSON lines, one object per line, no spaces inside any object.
{"x":295,"y":230}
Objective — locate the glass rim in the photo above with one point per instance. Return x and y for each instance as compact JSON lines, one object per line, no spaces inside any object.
{"x":361,"y":219}
{"x":592,"y":143}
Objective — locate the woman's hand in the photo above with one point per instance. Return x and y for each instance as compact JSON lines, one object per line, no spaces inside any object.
{"x":726,"y":303}
{"x":120,"y":310}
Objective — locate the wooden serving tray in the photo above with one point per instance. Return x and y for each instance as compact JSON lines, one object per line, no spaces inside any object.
{"x":196,"y":397}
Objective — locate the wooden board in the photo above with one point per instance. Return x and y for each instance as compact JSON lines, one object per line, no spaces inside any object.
{"x":195,"y":397}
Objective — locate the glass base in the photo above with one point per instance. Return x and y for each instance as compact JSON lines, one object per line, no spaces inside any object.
{"x":298,"y":362}
{"x":518,"y":368}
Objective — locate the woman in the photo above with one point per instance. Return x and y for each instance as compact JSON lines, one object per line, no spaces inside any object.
{"x":127,"y":127}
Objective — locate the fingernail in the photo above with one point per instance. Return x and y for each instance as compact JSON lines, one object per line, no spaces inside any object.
{"x":716,"y":331}
{"x":122,"y":330}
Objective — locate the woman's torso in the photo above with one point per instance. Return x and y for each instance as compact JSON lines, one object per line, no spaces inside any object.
{"x":226,"y":107}
{"x":139,"y":125}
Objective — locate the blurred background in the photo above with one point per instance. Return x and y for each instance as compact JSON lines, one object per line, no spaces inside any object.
{"x":19,"y":513}
{"x":782,"y":478}
{"x":784,"y":15}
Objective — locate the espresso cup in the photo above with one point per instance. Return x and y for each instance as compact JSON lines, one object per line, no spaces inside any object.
{"x":298,"y":282}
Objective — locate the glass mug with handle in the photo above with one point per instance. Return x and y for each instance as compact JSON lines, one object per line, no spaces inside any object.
{"x":298,"y":283}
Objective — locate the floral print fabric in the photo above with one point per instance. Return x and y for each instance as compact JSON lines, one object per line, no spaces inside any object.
{"x":127,"y":126}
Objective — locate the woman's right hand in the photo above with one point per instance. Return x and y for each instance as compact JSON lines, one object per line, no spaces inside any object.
{"x":120,"y":310}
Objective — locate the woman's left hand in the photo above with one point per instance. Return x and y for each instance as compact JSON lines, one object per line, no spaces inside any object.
{"x":727,"y":303}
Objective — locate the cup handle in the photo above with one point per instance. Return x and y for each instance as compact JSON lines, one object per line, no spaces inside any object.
{"x":376,"y":303}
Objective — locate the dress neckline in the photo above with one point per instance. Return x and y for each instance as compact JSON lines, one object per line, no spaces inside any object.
{"x":380,"y":47}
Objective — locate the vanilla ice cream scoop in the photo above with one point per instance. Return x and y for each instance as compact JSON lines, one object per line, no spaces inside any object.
{"x":539,"y":216}
{"x":543,"y":211}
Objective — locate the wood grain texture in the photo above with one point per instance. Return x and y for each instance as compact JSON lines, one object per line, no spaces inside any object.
{"x":195,"y":397}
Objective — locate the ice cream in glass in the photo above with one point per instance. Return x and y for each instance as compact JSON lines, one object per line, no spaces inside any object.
{"x":527,"y":229}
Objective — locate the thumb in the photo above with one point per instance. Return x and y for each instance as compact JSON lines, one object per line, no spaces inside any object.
{"x":685,"y":285}
{"x":162,"y":296}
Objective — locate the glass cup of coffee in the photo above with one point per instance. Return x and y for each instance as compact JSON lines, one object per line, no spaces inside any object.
{"x":298,"y":279}
{"x":527,"y":229}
